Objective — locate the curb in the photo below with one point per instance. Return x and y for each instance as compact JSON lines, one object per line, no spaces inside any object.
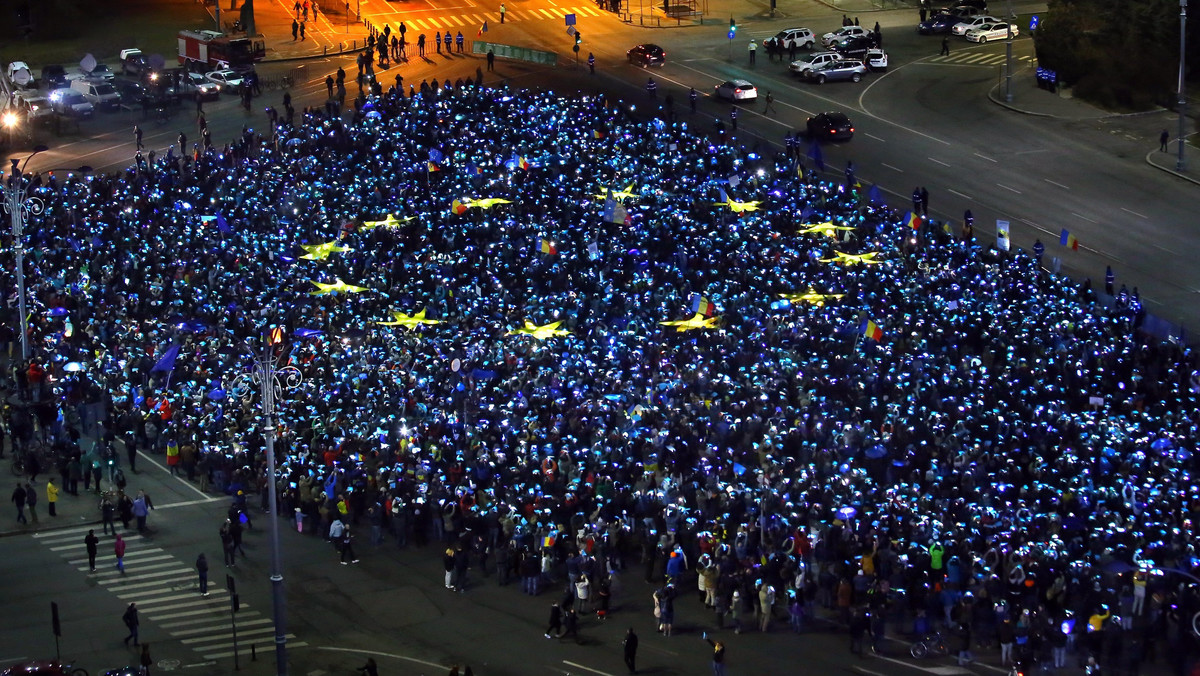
{"x":1170,"y":170}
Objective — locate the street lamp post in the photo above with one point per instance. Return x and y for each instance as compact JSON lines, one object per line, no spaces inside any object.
{"x":19,"y":205}
{"x":1181,"y":163}
{"x":271,"y":380}
{"x":1008,"y":57}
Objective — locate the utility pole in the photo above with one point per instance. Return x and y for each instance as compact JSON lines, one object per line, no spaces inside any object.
{"x":1008,"y":57}
{"x":1181,"y":163}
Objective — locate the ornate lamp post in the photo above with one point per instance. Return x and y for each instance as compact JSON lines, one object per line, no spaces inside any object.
{"x":19,"y":204}
{"x":271,"y":380}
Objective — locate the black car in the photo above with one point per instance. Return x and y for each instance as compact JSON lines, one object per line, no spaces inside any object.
{"x":55,"y":76}
{"x":977,"y":4}
{"x":855,"y":46}
{"x":647,"y":55}
{"x":830,"y":125}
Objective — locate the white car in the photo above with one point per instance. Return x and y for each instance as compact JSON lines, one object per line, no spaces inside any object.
{"x":843,"y":33}
{"x":815,"y":60}
{"x":962,"y":28}
{"x":991,"y":31}
{"x":70,"y":103}
{"x":876,"y":59}
{"x":20,"y":75}
{"x":191,"y":84}
{"x":802,"y":38}
{"x":227,"y":80}
{"x":736,"y":90}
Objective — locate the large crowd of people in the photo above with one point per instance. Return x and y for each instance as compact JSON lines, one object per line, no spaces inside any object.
{"x":939,"y":432}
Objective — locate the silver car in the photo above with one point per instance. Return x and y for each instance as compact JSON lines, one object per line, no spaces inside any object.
{"x":802,"y":66}
{"x":847,"y":69}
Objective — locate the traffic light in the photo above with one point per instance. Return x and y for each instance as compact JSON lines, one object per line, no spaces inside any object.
{"x":578,"y":39}
{"x":732,"y":25}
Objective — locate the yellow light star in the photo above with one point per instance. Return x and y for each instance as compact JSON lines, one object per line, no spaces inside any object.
{"x":620,"y":194}
{"x":337,"y":287}
{"x":811,"y":296}
{"x":738,"y":207}
{"x":827,"y":228}
{"x":401,"y":319}
{"x":390,"y":222}
{"x":853,"y":259}
{"x":540,"y":332}
{"x":698,"y":321}
{"x":320,"y":252}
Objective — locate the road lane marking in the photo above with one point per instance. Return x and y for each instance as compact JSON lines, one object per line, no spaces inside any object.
{"x":985,"y":157}
{"x":938,"y":161}
{"x":374,"y":653}
{"x":874,"y":137}
{"x":1083,"y":217}
{"x":958,"y":193}
{"x":895,"y":169}
{"x":1008,"y":188}
{"x":1056,"y":183}
{"x":580,"y":666}
{"x":1132,"y":212}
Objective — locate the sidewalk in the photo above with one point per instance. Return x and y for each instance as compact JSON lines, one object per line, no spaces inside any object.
{"x":1028,"y":99}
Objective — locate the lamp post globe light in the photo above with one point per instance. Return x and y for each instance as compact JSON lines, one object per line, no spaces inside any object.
{"x":20,"y":204}
{"x":271,"y":380}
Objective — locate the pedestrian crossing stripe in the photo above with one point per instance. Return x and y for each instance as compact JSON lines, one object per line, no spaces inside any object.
{"x":166,"y":592}
{"x":971,"y":59}
{"x":455,"y":21}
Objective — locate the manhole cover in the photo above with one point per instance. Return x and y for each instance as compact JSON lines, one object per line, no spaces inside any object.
{"x":168,"y":665}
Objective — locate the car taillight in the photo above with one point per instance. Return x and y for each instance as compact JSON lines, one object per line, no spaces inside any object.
{"x":851,"y":130}
{"x":832,"y":131}
{"x":737,"y":91}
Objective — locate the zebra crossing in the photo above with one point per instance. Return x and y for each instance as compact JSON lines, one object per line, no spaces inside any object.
{"x":970,"y":58}
{"x":459,"y":22}
{"x":166,"y":591}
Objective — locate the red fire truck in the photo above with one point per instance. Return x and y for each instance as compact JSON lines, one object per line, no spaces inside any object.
{"x":218,"y":50}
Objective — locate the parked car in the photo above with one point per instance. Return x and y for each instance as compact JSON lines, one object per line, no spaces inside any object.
{"x":54,"y":76}
{"x":646,"y":55}
{"x":133,"y":62}
{"x":975,"y":22}
{"x":803,"y":65}
{"x":736,"y":90}
{"x":939,"y":23}
{"x":991,"y":31}
{"x":856,"y":46}
{"x":981,"y":5}
{"x":841,"y":33}
{"x":99,"y":93}
{"x":848,"y":69}
{"x":227,"y":80}
{"x":20,"y":76}
{"x":802,"y":38}
{"x":70,"y":103}
{"x":33,"y":106}
{"x":876,"y":59}
{"x":831,"y":125}
{"x":191,"y":84}
{"x":102,"y":72}
{"x":135,"y":94}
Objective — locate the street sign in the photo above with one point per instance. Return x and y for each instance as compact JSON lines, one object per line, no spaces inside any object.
{"x":730,"y":34}
{"x":570,"y":29}
{"x":1033,"y":22}
{"x":570,"y":19}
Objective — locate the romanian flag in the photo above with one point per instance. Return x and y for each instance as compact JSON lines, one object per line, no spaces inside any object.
{"x":702,"y":305}
{"x":432,"y":166}
{"x":474,"y":169}
{"x":548,"y":247}
{"x":870,"y":329}
{"x":458,"y":207}
{"x":597,"y":134}
{"x":523,"y":163}
{"x":1067,"y":239}
{"x":913,"y":221}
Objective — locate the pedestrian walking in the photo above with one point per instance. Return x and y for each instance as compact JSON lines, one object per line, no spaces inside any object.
{"x":92,"y":543}
{"x":302,"y":37}
{"x":347,"y":547}
{"x":227,"y":543}
{"x":753,"y":48}
{"x":19,"y":499}
{"x":591,"y":63}
{"x":1163,"y":139}
{"x":119,"y":552}
{"x":458,"y":40}
{"x":1110,"y":279}
{"x":329,"y":86}
{"x":554,"y":627}
{"x":437,"y":41}
{"x":182,"y":151}
{"x":131,"y":622}
{"x":945,"y":46}
{"x":202,"y":572}
{"x":503,"y":11}
{"x":692,"y":96}
{"x":631,"y":645}
{"x":146,"y":661}
{"x":295,"y":31}
{"x":718,"y":656}
{"x":651,"y":88}
{"x":491,"y":59}
{"x":924,"y":202}
{"x":421,"y":45}
{"x":733,"y":117}
{"x":370,"y":668}
{"x":107,"y":514}
{"x":137,"y":136}
{"x":31,"y":501}
{"x":142,"y":506}
{"x":570,"y":624}
{"x":770,"y":103}
{"x":447,"y":40}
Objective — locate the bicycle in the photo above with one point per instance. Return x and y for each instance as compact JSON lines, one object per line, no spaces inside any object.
{"x":933,"y":645}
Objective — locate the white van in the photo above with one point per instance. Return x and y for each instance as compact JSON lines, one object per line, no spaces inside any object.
{"x":99,"y":94}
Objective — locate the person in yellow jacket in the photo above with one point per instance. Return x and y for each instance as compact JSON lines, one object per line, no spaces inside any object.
{"x":52,"y":496}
